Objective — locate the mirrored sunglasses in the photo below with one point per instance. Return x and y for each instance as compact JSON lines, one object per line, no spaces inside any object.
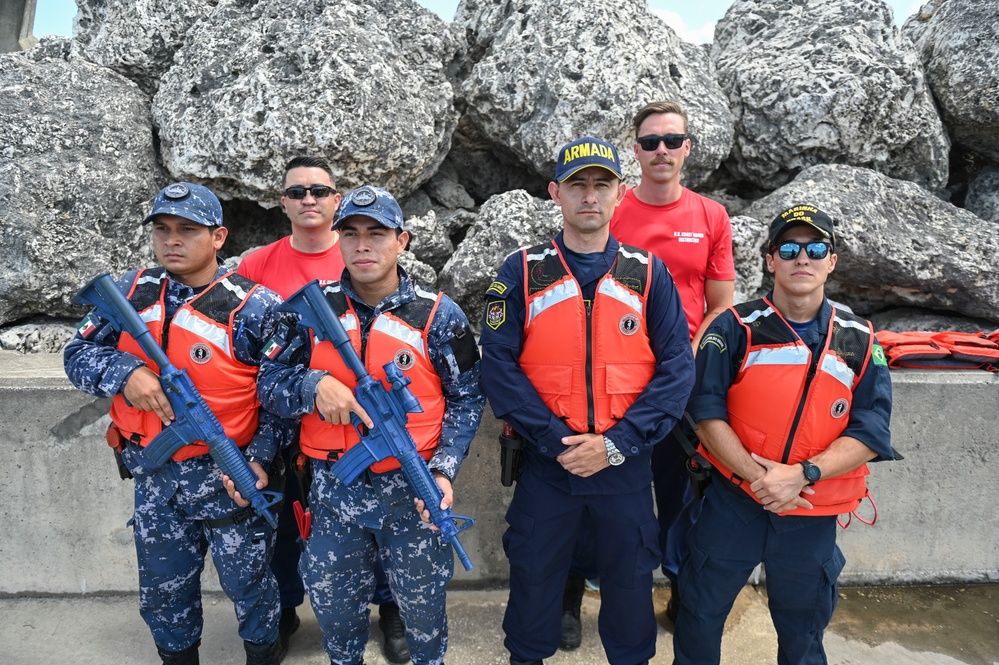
{"x":813,"y":250}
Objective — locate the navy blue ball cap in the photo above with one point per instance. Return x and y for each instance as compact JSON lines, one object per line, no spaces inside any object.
{"x":585,"y":152}
{"x":373,"y":202}
{"x":193,"y":202}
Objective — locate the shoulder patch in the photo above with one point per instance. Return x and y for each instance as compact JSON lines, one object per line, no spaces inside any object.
{"x":495,"y":313}
{"x":878,"y":354}
{"x":499,"y":288}
{"x":713,"y":339}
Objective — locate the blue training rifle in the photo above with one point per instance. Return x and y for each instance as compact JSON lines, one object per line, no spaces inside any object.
{"x":194,"y":419}
{"x":387,"y":408}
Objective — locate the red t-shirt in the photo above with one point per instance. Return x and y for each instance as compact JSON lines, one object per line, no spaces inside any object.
{"x":282,"y":268}
{"x":692,"y":236}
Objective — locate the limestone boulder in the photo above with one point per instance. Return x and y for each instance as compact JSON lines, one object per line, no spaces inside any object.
{"x":982,"y":197}
{"x":428,"y":240}
{"x":958,"y":41}
{"x":505,"y":223}
{"x":137,"y":38}
{"x":360,"y":83}
{"x":898,"y":244}
{"x":830,"y":82}
{"x":749,"y":238}
{"x":542,"y":73}
{"x":77,"y":173}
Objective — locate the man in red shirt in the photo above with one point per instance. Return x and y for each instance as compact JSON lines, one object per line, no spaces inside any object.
{"x":312,"y":251}
{"x":693,"y":237}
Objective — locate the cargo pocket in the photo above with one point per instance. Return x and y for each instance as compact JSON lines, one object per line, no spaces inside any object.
{"x":828,"y":593}
{"x":518,"y":543}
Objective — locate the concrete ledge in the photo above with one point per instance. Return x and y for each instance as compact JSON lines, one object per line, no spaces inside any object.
{"x":65,"y":510}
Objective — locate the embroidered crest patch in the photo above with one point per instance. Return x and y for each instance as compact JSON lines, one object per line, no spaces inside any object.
{"x":839,"y":408}
{"x":628,"y":324}
{"x":495,"y":314}
{"x":201,"y":353}
{"x":404,"y":359}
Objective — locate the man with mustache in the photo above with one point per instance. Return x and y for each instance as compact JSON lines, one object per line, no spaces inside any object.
{"x":586,"y":354}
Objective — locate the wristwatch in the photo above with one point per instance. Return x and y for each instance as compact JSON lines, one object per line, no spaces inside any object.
{"x":614,"y":456}
{"x":812,"y":473}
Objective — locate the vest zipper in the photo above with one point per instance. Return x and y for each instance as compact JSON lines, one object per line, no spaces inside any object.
{"x":801,"y":407}
{"x":591,"y":427}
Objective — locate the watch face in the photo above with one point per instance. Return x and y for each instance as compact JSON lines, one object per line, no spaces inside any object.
{"x":812,"y":473}
{"x":615,"y":459}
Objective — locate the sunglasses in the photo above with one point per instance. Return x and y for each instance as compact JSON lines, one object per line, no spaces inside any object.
{"x":813,"y":250}
{"x":318,"y":191}
{"x":651,"y":142}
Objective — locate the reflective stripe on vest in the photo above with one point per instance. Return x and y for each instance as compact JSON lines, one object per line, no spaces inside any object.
{"x":588,"y":361}
{"x":782,"y":411}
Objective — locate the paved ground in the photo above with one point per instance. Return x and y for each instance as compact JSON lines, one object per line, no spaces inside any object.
{"x":929,"y":626}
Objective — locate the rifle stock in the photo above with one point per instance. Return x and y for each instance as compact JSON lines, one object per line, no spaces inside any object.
{"x":194,"y":419}
{"x":388,"y":409}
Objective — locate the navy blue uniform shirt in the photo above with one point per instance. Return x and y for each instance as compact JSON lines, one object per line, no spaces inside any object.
{"x":870,"y":414}
{"x":646,"y":422}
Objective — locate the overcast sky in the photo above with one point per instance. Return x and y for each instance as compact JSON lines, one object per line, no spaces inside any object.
{"x":692,"y":21}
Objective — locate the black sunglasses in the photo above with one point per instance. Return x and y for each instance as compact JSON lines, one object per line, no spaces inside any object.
{"x":318,"y":191}
{"x":651,"y":142}
{"x":813,"y":250}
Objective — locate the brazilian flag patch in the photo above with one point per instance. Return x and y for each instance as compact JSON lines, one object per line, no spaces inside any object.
{"x":879,"y":355}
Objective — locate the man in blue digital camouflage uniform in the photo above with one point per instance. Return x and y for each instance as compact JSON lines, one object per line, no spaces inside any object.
{"x":389,"y":319}
{"x":587,"y":354}
{"x":217,"y":323}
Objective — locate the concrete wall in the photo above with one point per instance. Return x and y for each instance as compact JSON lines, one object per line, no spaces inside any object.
{"x":64,"y":509}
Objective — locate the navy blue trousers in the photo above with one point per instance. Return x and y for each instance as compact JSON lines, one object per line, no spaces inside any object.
{"x":732,"y":535}
{"x":543,"y":523}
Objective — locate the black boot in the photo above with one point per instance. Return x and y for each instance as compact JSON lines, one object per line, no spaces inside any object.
{"x":572,"y":601}
{"x":394,"y":631}
{"x":188,"y":656}
{"x":514,"y":661}
{"x":262,"y":654}
{"x":288,"y":624}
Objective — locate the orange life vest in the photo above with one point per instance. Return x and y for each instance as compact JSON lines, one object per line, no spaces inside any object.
{"x":940,"y":350}
{"x":588,"y":361}
{"x":398,"y":336}
{"x":787,"y":406}
{"x":200,"y":341}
